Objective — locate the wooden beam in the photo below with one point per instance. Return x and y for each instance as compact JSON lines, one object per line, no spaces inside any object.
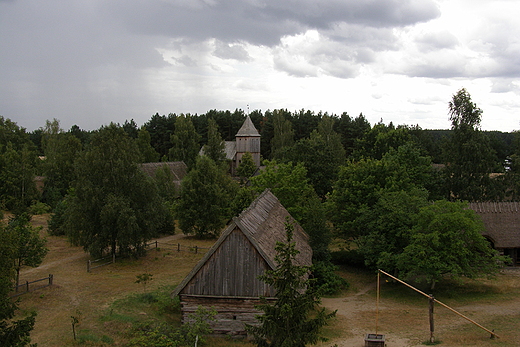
{"x":440,"y":303}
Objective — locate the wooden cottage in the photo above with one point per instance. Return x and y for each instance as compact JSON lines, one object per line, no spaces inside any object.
{"x":502,"y":223}
{"x":227,"y":277}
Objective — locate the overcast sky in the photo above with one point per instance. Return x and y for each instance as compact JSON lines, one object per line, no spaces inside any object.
{"x":92,"y":62}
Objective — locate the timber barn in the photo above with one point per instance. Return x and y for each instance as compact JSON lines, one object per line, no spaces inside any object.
{"x":502,"y":226}
{"x":226,"y":279}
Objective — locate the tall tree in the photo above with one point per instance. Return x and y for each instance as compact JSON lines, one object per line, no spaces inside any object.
{"x":322,"y":154}
{"x":362,"y":184}
{"x":294,"y":319}
{"x":447,"y":241}
{"x":215,"y":148}
{"x":18,"y":162}
{"x":283,"y":134}
{"x":468,"y":154}
{"x":161,"y":129}
{"x":148,"y":153}
{"x":60,"y":150}
{"x":204,"y":205}
{"x":247,"y":167}
{"x":28,"y":247}
{"x":17,"y":173}
{"x":352,"y":131}
{"x":185,"y":141}
{"x":114,"y":206}
{"x":12,"y":332}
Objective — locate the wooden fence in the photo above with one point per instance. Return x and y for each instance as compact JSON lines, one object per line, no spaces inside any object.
{"x":91,"y":264}
{"x":28,"y":288}
{"x":177,"y":247}
{"x":101,"y":261}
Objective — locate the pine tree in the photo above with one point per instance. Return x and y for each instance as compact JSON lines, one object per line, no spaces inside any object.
{"x":294,"y":320}
{"x":13,"y":332}
{"x":468,"y":154}
{"x":204,"y":204}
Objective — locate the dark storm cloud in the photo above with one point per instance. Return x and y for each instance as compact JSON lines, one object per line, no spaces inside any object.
{"x":263,"y":22}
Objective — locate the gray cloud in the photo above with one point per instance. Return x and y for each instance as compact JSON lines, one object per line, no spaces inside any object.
{"x":97,"y":61}
{"x":437,"y":40}
{"x":227,"y":51}
{"x":263,"y":22}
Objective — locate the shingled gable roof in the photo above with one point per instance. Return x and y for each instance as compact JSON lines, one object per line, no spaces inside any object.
{"x":178,"y":168}
{"x":502,"y":222}
{"x":248,"y":128}
{"x":263,"y":223}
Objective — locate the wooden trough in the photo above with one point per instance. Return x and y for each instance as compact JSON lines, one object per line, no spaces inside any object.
{"x":374,"y":340}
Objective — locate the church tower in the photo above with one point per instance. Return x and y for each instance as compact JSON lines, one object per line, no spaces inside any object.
{"x":247,"y":140}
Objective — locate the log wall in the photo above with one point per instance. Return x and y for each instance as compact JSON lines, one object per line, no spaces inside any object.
{"x":232,"y":313}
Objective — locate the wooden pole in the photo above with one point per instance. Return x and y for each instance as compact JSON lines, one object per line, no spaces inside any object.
{"x":377,"y":301}
{"x":440,"y":303}
{"x":432,"y":328}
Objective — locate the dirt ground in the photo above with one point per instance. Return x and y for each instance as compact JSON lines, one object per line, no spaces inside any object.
{"x":404,"y":322}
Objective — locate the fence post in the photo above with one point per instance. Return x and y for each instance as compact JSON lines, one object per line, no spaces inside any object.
{"x":88,"y":265}
{"x":51,"y":279}
{"x":196,"y":249}
{"x":155,"y":244}
{"x":27,"y":285}
{"x":178,"y":247}
{"x":113,"y":258}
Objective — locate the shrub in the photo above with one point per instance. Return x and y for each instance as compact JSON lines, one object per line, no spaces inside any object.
{"x":39,"y":208}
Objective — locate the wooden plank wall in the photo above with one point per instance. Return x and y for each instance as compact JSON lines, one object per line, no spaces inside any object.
{"x":232,"y":270}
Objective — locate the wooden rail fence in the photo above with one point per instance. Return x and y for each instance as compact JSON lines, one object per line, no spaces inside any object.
{"x":91,"y":264}
{"x":178,"y":247}
{"x":26,"y":285}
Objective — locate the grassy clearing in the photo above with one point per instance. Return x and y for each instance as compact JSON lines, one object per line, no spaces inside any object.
{"x":109,"y":304}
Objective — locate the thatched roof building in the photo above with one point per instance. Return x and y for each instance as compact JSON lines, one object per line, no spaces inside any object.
{"x":502,"y":223}
{"x":177,"y":168}
{"x":227,"y":277}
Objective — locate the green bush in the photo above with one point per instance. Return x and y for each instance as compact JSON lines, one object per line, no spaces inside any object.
{"x":57,"y":220}
{"x":39,"y":208}
{"x":327,"y":279}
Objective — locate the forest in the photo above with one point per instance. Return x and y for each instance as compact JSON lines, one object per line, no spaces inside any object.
{"x":389,"y":192}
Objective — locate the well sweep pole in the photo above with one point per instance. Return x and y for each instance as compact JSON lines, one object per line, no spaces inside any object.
{"x":442,"y":304}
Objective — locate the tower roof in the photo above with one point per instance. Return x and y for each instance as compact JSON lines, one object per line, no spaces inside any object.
{"x":248,"y":128}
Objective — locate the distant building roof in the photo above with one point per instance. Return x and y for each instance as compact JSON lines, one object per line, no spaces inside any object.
{"x":230,"y":149}
{"x":248,"y":128}
{"x":502,"y":222}
{"x":178,"y":169}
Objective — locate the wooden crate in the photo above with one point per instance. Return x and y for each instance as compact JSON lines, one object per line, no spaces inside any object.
{"x":374,"y":340}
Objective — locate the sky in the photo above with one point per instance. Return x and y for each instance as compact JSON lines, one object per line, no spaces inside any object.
{"x":92,"y":62}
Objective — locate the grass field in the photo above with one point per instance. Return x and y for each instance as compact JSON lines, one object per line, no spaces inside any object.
{"x":108,"y":303}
